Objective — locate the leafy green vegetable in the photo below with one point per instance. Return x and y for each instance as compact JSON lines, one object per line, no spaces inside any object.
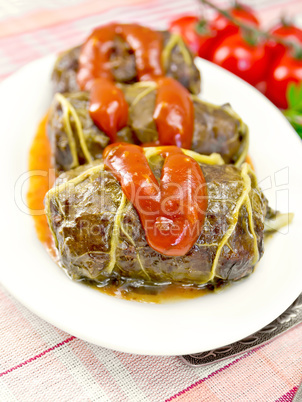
{"x":294,"y":111}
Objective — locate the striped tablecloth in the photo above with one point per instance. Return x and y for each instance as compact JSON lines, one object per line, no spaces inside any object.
{"x":39,"y":362}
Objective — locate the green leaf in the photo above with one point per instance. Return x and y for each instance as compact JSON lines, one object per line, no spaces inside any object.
{"x":294,"y":96}
{"x":298,"y":128}
{"x":295,"y":120}
{"x":294,"y":111}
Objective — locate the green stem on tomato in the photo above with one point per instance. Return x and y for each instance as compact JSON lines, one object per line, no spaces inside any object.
{"x":256,"y":32}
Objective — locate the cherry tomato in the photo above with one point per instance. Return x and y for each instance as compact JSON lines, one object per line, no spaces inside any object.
{"x":288,"y":31}
{"x":186,"y":27}
{"x":223,"y":27}
{"x":241,"y":12}
{"x":241,"y":58}
{"x":283,"y":30}
{"x":287,"y":70}
{"x":204,"y":44}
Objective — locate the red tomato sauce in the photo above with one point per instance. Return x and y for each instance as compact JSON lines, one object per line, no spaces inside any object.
{"x":146,"y":44}
{"x":108,"y":107}
{"x":40,"y":159}
{"x":174,"y":114}
{"x":174,"y":111}
{"x":172,"y":213}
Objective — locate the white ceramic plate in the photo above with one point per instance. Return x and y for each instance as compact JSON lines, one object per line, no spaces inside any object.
{"x":168,"y":329}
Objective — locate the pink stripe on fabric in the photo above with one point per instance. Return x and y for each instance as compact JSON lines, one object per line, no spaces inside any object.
{"x":13,"y":325}
{"x":39,"y":355}
{"x":138,"y":365}
{"x":271,"y":365}
{"x":289,"y":396}
{"x":42,"y":18}
{"x":214,"y":373}
{"x":95,"y":367}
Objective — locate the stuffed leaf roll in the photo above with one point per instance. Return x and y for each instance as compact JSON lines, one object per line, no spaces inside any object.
{"x":176,"y":59}
{"x":76,"y":140}
{"x":100,"y":238}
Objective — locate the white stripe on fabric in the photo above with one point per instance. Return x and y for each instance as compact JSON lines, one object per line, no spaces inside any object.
{"x":5,"y":392}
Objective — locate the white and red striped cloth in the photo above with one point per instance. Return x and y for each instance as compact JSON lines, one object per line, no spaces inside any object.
{"x":39,"y":362}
